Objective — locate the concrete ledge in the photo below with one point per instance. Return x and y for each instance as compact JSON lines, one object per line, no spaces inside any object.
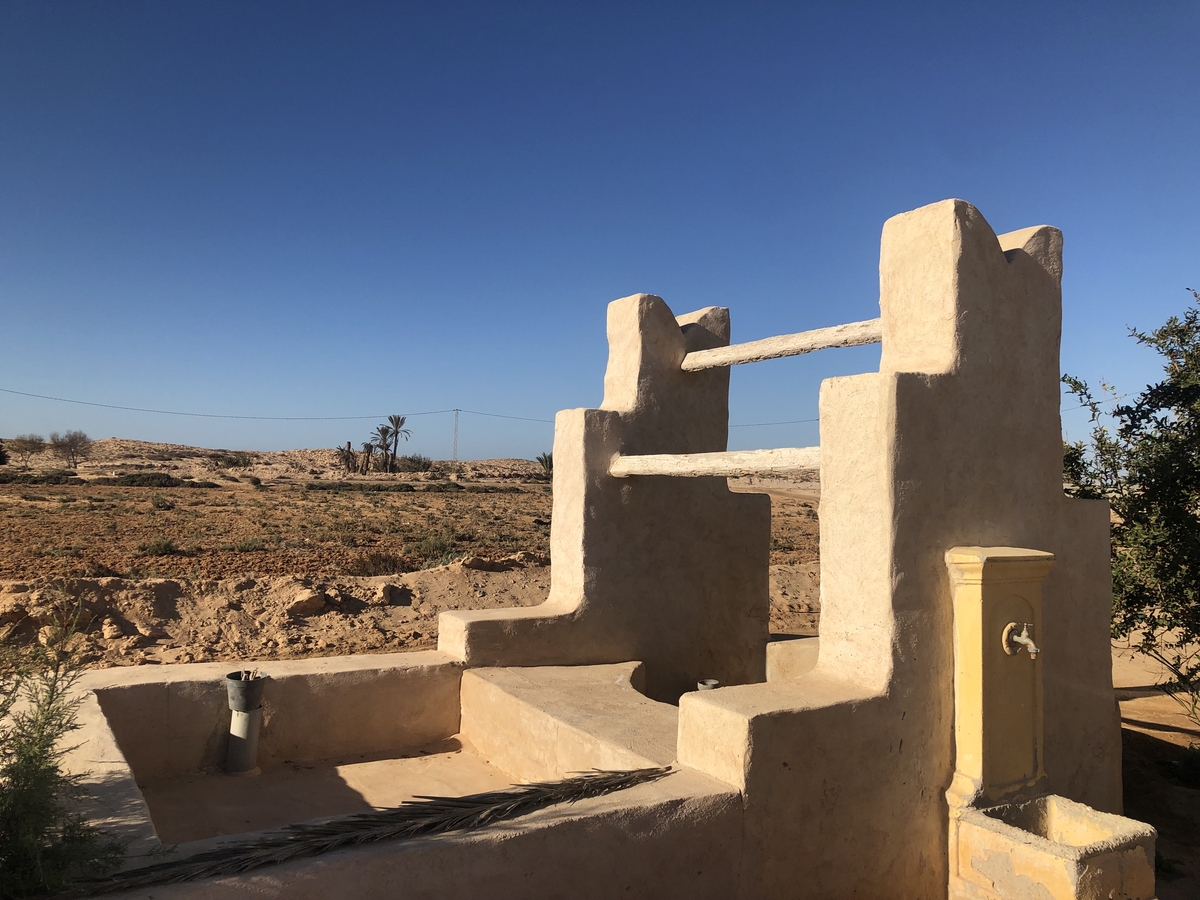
{"x":679,"y":838}
{"x":549,"y":722}
{"x":792,"y":657}
{"x":717,"y":728}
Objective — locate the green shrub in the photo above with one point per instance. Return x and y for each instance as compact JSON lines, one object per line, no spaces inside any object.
{"x":414,"y":462}
{"x":55,"y":476}
{"x":1143,"y":457}
{"x":161,"y":546}
{"x":376,"y":562}
{"x":433,"y":550}
{"x":158,"y":501}
{"x":148,"y":479}
{"x":232,"y":459}
{"x":250,"y":545}
{"x":45,"y":842}
{"x":367,"y":487}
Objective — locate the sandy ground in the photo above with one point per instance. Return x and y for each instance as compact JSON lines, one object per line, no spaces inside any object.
{"x":283,"y":556}
{"x":1158,"y":788}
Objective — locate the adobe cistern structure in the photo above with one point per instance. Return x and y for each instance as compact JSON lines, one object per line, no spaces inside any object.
{"x":955,"y":735}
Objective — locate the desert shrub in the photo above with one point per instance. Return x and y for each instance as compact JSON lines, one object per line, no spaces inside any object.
{"x":254,"y":480}
{"x":160,"y":546}
{"x":70,"y":447}
{"x":414,"y":462}
{"x":250,"y":545}
{"x":57,"y":476}
{"x":232,"y":459}
{"x":3,"y":455}
{"x":368,"y":487}
{"x":158,"y":501}
{"x":27,"y":446}
{"x":432,"y":550}
{"x":96,"y":569}
{"x":45,"y":842}
{"x":1148,"y":469}
{"x":148,"y":479}
{"x":546,"y":461}
{"x":447,"y":487}
{"x":200,"y":484}
{"x":376,"y":562}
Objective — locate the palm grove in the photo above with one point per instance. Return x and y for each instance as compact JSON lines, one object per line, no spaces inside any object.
{"x":384,"y":441}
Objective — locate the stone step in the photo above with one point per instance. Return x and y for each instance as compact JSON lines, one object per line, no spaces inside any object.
{"x":547,"y":722}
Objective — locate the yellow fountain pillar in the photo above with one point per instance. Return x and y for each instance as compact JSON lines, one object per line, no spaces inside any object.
{"x":997,"y":675}
{"x":1009,"y":838}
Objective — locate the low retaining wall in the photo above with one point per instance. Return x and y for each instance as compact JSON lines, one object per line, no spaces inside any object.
{"x":173,"y":720}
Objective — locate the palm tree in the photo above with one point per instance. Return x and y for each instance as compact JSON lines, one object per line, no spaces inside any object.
{"x":368,"y":450}
{"x":382,"y":439}
{"x":398,"y":431}
{"x":347,"y":458}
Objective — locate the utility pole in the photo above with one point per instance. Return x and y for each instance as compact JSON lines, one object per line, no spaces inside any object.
{"x":456,"y":412}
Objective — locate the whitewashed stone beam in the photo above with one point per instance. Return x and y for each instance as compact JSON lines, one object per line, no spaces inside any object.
{"x":852,"y":334}
{"x":739,"y":462}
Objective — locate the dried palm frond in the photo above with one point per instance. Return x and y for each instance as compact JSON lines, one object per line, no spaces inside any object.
{"x":423,"y":816}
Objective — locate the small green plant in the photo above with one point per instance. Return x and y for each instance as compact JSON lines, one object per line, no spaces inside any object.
{"x":3,"y":455}
{"x":250,"y":545}
{"x":433,"y":550}
{"x":232,"y":459}
{"x":45,"y":841}
{"x":158,"y":501}
{"x":160,"y":546}
{"x":414,"y":462}
{"x":376,"y":562}
{"x":546,"y":460}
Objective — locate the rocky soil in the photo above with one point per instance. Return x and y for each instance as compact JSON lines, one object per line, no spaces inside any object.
{"x":279,"y":555}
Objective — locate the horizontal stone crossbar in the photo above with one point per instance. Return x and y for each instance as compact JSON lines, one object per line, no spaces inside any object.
{"x":738,"y":462}
{"x":852,"y":334}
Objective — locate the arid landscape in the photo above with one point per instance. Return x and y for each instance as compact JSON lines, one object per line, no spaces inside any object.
{"x":177,"y":554}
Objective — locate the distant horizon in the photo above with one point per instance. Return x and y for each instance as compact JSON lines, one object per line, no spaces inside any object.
{"x":115,"y":437}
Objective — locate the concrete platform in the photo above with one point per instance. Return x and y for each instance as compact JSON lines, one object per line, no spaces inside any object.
{"x":205,"y":805}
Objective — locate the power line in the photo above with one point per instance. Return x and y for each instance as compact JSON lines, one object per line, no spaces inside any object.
{"x":476,"y":412}
{"x":432,"y":412}
{"x":195,"y":415}
{"x":764,"y":424}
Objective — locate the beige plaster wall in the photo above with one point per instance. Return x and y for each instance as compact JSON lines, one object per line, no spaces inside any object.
{"x":669,"y":571}
{"x":955,"y":441}
{"x":170,"y":720}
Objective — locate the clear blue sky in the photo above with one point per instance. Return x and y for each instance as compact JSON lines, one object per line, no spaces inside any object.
{"x":310,"y":209}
